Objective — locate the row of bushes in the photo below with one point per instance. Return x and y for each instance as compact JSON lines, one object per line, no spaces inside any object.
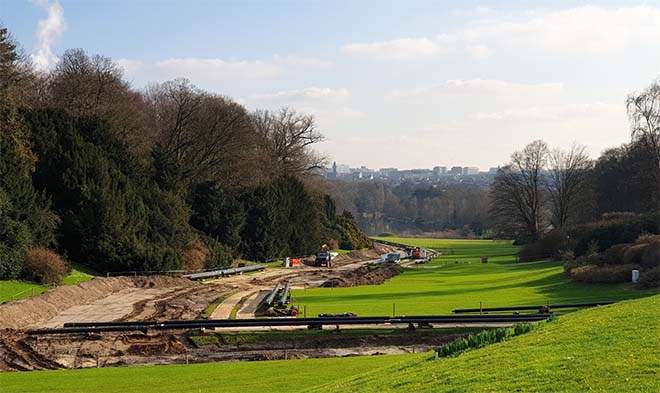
{"x":614,"y":265}
{"x":481,"y":339}
{"x":612,"y":230}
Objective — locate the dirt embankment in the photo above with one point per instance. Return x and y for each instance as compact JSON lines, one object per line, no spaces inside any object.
{"x":365,"y":275}
{"x":30,"y":311}
{"x":363,"y":255}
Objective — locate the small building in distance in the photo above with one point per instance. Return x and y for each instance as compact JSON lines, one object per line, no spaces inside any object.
{"x":456,"y":170}
{"x":440,"y":170}
{"x":470,"y":171}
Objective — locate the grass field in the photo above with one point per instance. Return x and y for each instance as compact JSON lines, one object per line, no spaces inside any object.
{"x":439,"y":290}
{"x":443,"y":285}
{"x":16,"y":289}
{"x":497,"y":251}
{"x":608,"y":349}
{"x":244,"y":377}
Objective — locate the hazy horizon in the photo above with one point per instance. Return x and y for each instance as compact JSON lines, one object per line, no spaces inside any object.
{"x":392,"y":85}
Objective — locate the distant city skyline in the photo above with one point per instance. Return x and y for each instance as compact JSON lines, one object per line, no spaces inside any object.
{"x":391,"y":84}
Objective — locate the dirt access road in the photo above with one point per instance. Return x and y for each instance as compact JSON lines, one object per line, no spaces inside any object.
{"x":147,"y":298}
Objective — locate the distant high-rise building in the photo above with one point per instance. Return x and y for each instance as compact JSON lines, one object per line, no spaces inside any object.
{"x":470,"y":170}
{"x":493,"y":171}
{"x":456,"y":170}
{"x":387,"y":172}
{"x":440,"y":170}
{"x":341,"y":168}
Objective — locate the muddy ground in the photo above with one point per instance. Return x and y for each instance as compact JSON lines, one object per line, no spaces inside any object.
{"x":24,"y":352}
{"x":162,"y":298}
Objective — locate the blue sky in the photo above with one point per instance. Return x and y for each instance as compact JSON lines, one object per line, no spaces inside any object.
{"x":407,"y":84}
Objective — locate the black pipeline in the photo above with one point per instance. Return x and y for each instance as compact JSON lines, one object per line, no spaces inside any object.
{"x":540,"y":307}
{"x":90,"y":327}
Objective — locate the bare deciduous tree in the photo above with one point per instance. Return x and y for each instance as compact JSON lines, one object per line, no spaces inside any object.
{"x":567,"y":183}
{"x":644,"y":113}
{"x":87,"y":85}
{"x":287,"y":138}
{"x":209,"y":137}
{"x":517,"y":193}
{"x":16,"y":82}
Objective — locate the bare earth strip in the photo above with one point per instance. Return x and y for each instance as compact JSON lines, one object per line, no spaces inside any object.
{"x":109,"y":308}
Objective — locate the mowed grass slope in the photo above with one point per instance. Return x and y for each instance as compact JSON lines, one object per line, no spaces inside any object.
{"x":17,"y":289}
{"x":607,"y":349}
{"x":439,"y":290}
{"x":244,"y":377}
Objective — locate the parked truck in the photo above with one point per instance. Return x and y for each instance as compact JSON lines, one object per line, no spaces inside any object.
{"x":324,"y":257}
{"x":392,"y":257}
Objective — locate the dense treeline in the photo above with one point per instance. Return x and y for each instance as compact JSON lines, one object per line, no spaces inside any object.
{"x":170,"y":177}
{"x":453,"y":210}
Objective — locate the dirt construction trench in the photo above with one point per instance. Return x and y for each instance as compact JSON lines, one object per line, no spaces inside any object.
{"x":163,"y":298}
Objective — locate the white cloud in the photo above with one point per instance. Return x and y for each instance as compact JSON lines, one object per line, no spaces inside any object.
{"x":480,"y":87}
{"x":555,"y":112}
{"x":399,"y":49}
{"x":49,"y":31}
{"x":205,"y":71}
{"x":130,"y":67}
{"x":215,"y":70}
{"x":591,"y":29}
{"x":583,"y":30}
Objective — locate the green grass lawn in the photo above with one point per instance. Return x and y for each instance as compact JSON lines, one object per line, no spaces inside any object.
{"x":440,"y":286}
{"x":244,"y":377}
{"x":607,"y":349}
{"x":439,"y":290}
{"x":17,"y":289}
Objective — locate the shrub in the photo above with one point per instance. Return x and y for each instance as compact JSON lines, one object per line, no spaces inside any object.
{"x":651,"y":256}
{"x":194,"y":258}
{"x":615,"y":254}
{"x":650,"y":278}
{"x":483,"y":338}
{"x":548,"y":246}
{"x":633,"y":254}
{"x":617,"y":229}
{"x":603,"y":273}
{"x":44,"y":266}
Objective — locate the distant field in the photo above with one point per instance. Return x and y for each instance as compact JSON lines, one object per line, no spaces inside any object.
{"x":607,"y":349}
{"x":439,"y":287}
{"x":497,"y":251}
{"x":16,"y":289}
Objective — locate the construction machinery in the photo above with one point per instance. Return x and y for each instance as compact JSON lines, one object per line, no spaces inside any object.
{"x":323,"y":257}
{"x":417,"y":253}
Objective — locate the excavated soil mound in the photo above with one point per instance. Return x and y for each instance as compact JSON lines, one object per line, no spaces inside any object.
{"x":25,"y":312}
{"x":363,"y":255}
{"x":365,"y":275}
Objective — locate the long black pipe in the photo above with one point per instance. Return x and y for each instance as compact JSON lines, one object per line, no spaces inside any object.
{"x":212,"y":323}
{"x":543,"y":306}
{"x":141,"y":328}
{"x":405,"y":319}
{"x":271,"y":297}
{"x":285,"y":295}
